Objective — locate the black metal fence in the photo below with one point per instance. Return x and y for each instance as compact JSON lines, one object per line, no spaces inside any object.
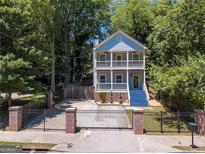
{"x":104,"y":119}
{"x":45,"y":119}
{"x":31,"y":111}
{"x":167,"y":122}
{"x":4,"y":118}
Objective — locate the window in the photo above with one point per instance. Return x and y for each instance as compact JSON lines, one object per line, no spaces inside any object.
{"x":135,"y":56}
{"x":102,"y":57}
{"x":102,"y":78}
{"x":118,"y":56}
{"x":118,"y":78}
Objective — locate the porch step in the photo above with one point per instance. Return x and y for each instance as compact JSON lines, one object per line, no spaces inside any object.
{"x":138,"y":98}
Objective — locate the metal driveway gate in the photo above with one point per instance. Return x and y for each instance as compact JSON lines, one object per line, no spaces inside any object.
{"x":44,"y":119}
{"x":104,"y":119}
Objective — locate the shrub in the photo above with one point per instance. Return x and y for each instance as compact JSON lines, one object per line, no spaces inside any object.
{"x":103,"y":97}
{"x":182,"y":86}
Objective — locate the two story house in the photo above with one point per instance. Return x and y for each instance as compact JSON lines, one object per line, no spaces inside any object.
{"x":119,"y":70}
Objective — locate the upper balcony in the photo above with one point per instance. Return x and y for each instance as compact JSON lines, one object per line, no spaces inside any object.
{"x":119,"y":60}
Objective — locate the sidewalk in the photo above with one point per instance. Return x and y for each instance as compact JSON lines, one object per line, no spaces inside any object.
{"x":103,"y":141}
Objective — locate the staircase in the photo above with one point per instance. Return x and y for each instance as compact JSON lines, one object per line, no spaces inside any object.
{"x":138,"y":98}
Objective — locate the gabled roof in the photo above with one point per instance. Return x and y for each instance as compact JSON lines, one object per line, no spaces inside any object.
{"x":119,"y":41}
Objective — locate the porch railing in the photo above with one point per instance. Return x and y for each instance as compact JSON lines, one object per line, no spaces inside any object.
{"x":120,"y":63}
{"x":103,"y":63}
{"x":119,"y":86}
{"x":103,"y":86}
{"x":107,"y":86}
{"x":136,"y":63}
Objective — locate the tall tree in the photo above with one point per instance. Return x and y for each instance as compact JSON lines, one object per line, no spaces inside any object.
{"x":82,"y":22}
{"x":178,"y":34}
{"x":134,"y":17}
{"x":22,"y":59}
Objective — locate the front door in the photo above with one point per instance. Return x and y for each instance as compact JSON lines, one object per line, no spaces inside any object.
{"x":135,"y":82}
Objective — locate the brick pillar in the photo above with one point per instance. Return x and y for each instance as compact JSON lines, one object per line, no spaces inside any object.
{"x":70,"y":120}
{"x":15,"y":118}
{"x":138,"y":121}
{"x":200,"y":120}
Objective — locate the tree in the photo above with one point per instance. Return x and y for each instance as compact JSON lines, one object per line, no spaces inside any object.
{"x":178,"y":34}
{"x":22,"y":59}
{"x":134,"y":17}
{"x":183,"y":86}
{"x":82,"y":22}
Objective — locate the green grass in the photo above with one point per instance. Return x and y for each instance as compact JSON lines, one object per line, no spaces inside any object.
{"x":129,"y":115}
{"x":152,"y":121}
{"x":37,"y":98}
{"x":189,"y":148}
{"x":28,"y":145}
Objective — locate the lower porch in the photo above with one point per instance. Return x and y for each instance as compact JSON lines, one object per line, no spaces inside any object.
{"x":119,"y":80}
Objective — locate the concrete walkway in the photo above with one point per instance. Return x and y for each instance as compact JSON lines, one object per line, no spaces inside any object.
{"x":103,"y":141}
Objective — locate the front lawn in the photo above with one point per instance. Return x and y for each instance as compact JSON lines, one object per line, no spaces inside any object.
{"x":28,"y":145}
{"x":37,"y":98}
{"x":190,"y":149}
{"x":152,"y":120}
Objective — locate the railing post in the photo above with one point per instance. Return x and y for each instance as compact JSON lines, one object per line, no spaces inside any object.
{"x":44,"y":120}
{"x":178,"y":122}
{"x":15,"y":118}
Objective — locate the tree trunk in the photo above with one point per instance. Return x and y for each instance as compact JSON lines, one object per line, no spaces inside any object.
{"x":9,"y":99}
{"x":52,"y":44}
{"x":67,"y":60}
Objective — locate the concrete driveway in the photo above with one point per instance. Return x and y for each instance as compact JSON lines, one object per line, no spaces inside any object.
{"x":89,"y":115}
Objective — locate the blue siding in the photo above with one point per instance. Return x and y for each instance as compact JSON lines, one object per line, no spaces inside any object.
{"x":120,"y":42}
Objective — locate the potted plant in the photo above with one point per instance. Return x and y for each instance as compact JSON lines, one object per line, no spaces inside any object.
{"x":103,"y":97}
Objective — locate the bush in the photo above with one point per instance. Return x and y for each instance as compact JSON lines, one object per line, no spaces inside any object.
{"x":103,"y":97}
{"x":181,"y":86}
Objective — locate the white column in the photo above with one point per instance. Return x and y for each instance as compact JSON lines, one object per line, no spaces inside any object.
{"x":111,"y":59}
{"x":127,"y":58}
{"x":111,"y":81}
{"x":127,"y":79}
{"x":144,"y":58}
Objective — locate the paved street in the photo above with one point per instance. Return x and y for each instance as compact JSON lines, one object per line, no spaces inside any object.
{"x":103,"y":141}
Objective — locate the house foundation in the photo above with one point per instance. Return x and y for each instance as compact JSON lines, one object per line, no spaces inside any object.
{"x":116,"y":96}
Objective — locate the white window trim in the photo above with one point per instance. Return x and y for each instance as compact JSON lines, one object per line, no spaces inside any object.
{"x":116,"y":78}
{"x":105,"y":78}
{"x":104,"y":55}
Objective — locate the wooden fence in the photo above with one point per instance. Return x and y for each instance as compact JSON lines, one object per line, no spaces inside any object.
{"x":78,"y":92}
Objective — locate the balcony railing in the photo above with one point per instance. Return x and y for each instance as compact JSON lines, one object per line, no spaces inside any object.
{"x":136,"y":63}
{"x":107,"y":86}
{"x":120,"y":63}
{"x":103,"y":63}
